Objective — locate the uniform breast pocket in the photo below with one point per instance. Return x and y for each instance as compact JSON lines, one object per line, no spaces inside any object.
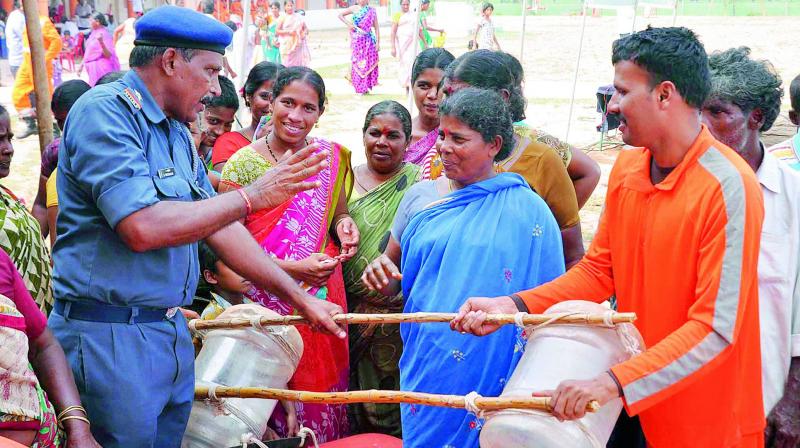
{"x":173,"y":188}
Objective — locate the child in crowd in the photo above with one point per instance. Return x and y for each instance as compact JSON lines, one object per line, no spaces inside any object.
{"x":485,"y":36}
{"x":227,"y":287}
{"x":68,"y":49}
{"x":67,"y":42}
{"x":110,"y":77}
{"x":197,"y":129}
{"x":218,"y":117}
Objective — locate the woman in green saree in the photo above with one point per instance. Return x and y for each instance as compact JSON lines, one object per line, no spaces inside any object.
{"x":20,"y":234}
{"x":269,"y":44}
{"x":379,"y":186}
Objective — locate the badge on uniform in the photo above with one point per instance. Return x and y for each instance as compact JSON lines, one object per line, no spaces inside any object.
{"x":133,"y":97}
{"x":166,"y":172}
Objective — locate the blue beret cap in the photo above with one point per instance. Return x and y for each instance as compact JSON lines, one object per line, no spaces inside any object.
{"x":177,"y":27}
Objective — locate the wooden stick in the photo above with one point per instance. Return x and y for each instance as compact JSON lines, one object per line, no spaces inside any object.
{"x":383,"y":396}
{"x":41,"y":83}
{"x":502,"y":319}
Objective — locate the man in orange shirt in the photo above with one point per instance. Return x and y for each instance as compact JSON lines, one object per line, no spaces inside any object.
{"x":678,"y":244}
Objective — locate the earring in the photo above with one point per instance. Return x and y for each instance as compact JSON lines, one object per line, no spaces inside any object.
{"x":316,"y":124}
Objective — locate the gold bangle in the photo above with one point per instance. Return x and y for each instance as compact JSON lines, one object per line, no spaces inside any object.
{"x":69,"y":409}
{"x":74,"y":417}
{"x":339,"y":217}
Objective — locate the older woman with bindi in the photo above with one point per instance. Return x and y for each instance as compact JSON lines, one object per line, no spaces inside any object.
{"x":380,"y":184}
{"x":539,"y":158}
{"x":440,"y":238}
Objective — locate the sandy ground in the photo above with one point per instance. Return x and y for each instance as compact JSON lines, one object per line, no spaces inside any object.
{"x":551,"y":50}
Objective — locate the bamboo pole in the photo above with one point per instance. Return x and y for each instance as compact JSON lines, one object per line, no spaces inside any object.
{"x":383,"y":396}
{"x":577,"y":68}
{"x":675,"y":13}
{"x":397,"y":318}
{"x":243,"y":67}
{"x":41,"y":85}
{"x":522,"y":39}
{"x":418,"y":5}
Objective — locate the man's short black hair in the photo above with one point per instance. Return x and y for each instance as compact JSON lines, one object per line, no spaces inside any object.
{"x":227,"y":97}
{"x":669,"y":54}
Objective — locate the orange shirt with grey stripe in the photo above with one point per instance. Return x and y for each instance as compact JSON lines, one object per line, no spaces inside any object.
{"x":682,"y":254}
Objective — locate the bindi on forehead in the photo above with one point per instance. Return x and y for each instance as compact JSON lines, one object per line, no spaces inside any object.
{"x":384,"y":128}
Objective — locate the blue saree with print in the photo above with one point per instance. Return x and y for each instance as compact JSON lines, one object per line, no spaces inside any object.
{"x":491,"y":238}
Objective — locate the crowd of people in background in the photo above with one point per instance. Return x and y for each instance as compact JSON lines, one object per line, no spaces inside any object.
{"x":83,"y":43}
{"x":92,"y":43}
{"x":149,"y":164}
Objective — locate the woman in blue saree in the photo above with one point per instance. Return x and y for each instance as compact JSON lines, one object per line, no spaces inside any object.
{"x":471,"y":233}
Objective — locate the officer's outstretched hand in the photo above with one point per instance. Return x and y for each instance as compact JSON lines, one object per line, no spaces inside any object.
{"x":319,"y":313}
{"x":287,"y":178}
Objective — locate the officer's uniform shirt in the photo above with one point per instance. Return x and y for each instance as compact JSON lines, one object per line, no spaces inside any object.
{"x":119,"y":154}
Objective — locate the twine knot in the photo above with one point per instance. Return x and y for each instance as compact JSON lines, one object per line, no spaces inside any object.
{"x":248,"y":438}
{"x":305,"y":432}
{"x":470,"y":403}
{"x":217,"y":403}
{"x":518,"y":319}
{"x":608,"y":318}
{"x":212,"y":392}
{"x":256,"y":322}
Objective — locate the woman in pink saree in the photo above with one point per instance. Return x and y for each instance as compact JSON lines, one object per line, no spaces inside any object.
{"x":365,"y":43}
{"x":309,"y":237}
{"x":100,"y":57}
{"x":292,"y":34}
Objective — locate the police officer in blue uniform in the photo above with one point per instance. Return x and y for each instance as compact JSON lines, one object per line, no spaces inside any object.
{"x":134,"y":202}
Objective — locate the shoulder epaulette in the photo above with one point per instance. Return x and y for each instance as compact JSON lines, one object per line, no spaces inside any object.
{"x":132,"y":98}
